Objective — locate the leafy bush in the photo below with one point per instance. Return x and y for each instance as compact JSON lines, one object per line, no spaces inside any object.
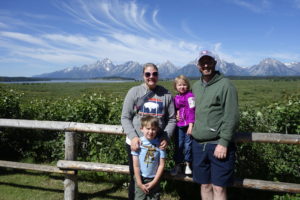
{"x":280,"y":117}
{"x":10,"y":145}
{"x":9,"y":103}
{"x":278,"y":162}
{"x":93,"y":108}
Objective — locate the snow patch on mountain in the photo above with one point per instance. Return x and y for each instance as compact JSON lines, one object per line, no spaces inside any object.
{"x":132,"y":69}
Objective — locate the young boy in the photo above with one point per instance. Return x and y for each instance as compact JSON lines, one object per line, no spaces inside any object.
{"x":148,"y":162}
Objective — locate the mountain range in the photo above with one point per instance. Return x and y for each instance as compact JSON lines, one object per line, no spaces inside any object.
{"x":132,"y":69}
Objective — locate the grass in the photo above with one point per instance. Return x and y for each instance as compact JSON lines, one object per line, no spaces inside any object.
{"x":265,"y":91}
{"x":62,"y":90}
{"x":31,"y":185}
{"x":19,"y":185}
{"x":251,"y":92}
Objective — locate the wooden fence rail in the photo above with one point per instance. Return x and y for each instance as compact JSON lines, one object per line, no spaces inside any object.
{"x":69,"y":166}
{"x":117,"y":130}
{"x":35,"y":167}
{"x":124,"y":169}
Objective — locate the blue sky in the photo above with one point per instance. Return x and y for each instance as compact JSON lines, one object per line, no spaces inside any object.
{"x":40,"y":36}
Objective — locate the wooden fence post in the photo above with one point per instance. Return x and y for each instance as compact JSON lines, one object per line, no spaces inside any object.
{"x":70,"y":183}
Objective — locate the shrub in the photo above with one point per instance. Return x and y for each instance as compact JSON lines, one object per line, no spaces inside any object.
{"x":278,"y":162}
{"x":10,"y":103}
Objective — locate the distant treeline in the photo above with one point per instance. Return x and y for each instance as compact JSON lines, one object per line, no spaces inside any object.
{"x":14,"y":79}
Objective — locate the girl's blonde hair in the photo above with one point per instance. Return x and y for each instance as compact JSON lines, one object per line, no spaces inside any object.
{"x":184,"y":78}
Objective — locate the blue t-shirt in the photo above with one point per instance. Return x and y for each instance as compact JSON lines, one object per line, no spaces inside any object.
{"x":149,"y":156}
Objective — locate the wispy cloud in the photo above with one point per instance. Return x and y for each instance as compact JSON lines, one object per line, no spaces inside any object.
{"x":3,"y":25}
{"x":115,"y":16}
{"x":59,"y":48}
{"x":23,"y":37}
{"x":116,"y":29}
{"x":128,"y":31}
{"x":47,"y":54}
{"x":185,"y":27}
{"x":257,"y":6}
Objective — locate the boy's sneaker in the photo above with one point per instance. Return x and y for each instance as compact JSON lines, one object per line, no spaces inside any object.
{"x":176,"y":170}
{"x":187,"y":170}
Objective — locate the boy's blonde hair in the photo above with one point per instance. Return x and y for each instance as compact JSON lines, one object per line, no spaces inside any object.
{"x":149,"y":120}
{"x":184,"y":78}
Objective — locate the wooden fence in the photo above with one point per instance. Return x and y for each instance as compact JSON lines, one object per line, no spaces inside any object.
{"x":69,"y":166}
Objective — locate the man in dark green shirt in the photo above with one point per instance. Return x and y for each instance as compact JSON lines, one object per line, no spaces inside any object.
{"x":217,"y":117}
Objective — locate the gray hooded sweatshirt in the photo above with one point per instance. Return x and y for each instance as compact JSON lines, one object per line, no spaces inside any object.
{"x":159,"y":104}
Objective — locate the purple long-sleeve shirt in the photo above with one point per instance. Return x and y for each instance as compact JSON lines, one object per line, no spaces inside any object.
{"x":185,"y":104}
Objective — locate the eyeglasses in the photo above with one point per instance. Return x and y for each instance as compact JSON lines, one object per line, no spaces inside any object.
{"x":148,"y":74}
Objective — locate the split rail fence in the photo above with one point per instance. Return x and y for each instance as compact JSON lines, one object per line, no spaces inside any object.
{"x":69,"y":166}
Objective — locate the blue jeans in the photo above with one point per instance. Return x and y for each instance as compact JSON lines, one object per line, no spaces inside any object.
{"x":183,"y":145}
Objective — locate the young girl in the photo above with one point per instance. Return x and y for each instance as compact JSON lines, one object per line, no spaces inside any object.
{"x":185,"y":108}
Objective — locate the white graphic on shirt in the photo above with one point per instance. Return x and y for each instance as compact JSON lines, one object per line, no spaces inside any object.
{"x":191,"y":101}
{"x":151,"y":105}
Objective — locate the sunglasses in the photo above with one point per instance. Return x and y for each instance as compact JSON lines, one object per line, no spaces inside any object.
{"x":209,"y":63}
{"x":148,"y":74}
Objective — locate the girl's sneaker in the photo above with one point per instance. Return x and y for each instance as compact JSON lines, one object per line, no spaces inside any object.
{"x":187,"y":170}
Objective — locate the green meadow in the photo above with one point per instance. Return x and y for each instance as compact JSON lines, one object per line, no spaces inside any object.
{"x":101,"y":103}
{"x":251,"y":92}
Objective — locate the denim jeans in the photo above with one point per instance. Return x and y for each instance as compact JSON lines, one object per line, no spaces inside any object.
{"x":183,"y":145}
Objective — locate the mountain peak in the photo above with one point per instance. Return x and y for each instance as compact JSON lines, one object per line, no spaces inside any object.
{"x":270,"y":61}
{"x":106,"y":61}
{"x":167,"y":63}
{"x":132,"y":69}
{"x":68,"y":69}
{"x":271,"y":67}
